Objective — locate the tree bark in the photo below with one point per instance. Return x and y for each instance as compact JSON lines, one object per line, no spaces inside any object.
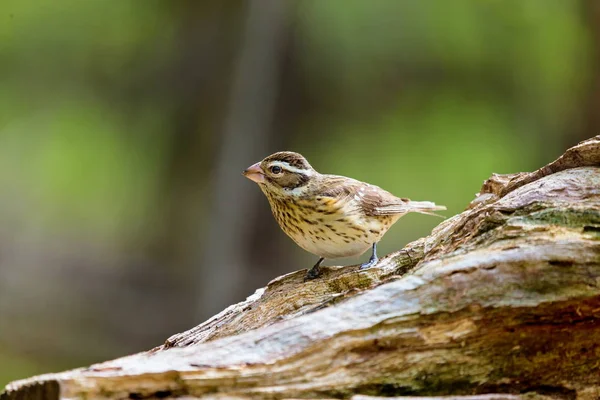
{"x":500,"y":302}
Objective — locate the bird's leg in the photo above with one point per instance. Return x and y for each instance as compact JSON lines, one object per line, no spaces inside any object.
{"x":315,"y":271}
{"x":373,"y":260}
{"x":409,"y":257}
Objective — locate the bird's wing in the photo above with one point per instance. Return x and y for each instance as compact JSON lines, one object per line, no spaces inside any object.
{"x":423,"y":207}
{"x":373,"y":200}
{"x":369,"y":199}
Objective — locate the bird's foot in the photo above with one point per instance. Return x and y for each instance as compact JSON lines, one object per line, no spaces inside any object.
{"x":371,"y":263}
{"x":313,"y":273}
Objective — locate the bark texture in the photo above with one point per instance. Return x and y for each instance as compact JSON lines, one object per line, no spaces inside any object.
{"x":500,"y":302}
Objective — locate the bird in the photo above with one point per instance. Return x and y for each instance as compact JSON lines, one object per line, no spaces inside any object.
{"x":330,"y":216}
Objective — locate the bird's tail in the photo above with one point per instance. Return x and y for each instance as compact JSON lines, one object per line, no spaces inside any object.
{"x":425,"y":207}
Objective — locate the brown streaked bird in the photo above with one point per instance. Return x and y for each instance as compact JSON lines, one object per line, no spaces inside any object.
{"x":330,"y":216}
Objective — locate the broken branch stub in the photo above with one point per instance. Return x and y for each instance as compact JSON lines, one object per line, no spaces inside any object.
{"x":502,"y":298}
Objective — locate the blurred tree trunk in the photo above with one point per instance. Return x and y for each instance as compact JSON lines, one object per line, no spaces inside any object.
{"x":246,"y":136}
{"x":502,"y":298}
{"x":591,"y":104}
{"x":225,"y":81}
{"x":195,"y":84}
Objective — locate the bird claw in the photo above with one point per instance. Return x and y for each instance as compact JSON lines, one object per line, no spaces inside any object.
{"x":312,"y":273}
{"x":371,"y":263}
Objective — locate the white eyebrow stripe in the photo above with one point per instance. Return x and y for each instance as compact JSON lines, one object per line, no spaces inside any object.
{"x":288,"y":167}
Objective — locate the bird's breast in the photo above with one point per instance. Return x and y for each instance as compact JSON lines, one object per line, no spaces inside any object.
{"x":328,"y":227}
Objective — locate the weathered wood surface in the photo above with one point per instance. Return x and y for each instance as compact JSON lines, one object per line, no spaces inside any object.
{"x":503,"y":298}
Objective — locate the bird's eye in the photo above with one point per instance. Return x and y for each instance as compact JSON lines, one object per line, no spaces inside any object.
{"x":276,"y":169}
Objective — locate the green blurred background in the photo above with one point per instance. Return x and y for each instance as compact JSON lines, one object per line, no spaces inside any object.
{"x":125,"y":125}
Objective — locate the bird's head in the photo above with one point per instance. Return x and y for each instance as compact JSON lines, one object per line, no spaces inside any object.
{"x":281,"y":173}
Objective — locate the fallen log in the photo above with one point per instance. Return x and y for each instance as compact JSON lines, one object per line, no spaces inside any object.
{"x":500,"y":302}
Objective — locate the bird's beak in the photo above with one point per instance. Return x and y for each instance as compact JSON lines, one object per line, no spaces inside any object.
{"x":254,"y":173}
